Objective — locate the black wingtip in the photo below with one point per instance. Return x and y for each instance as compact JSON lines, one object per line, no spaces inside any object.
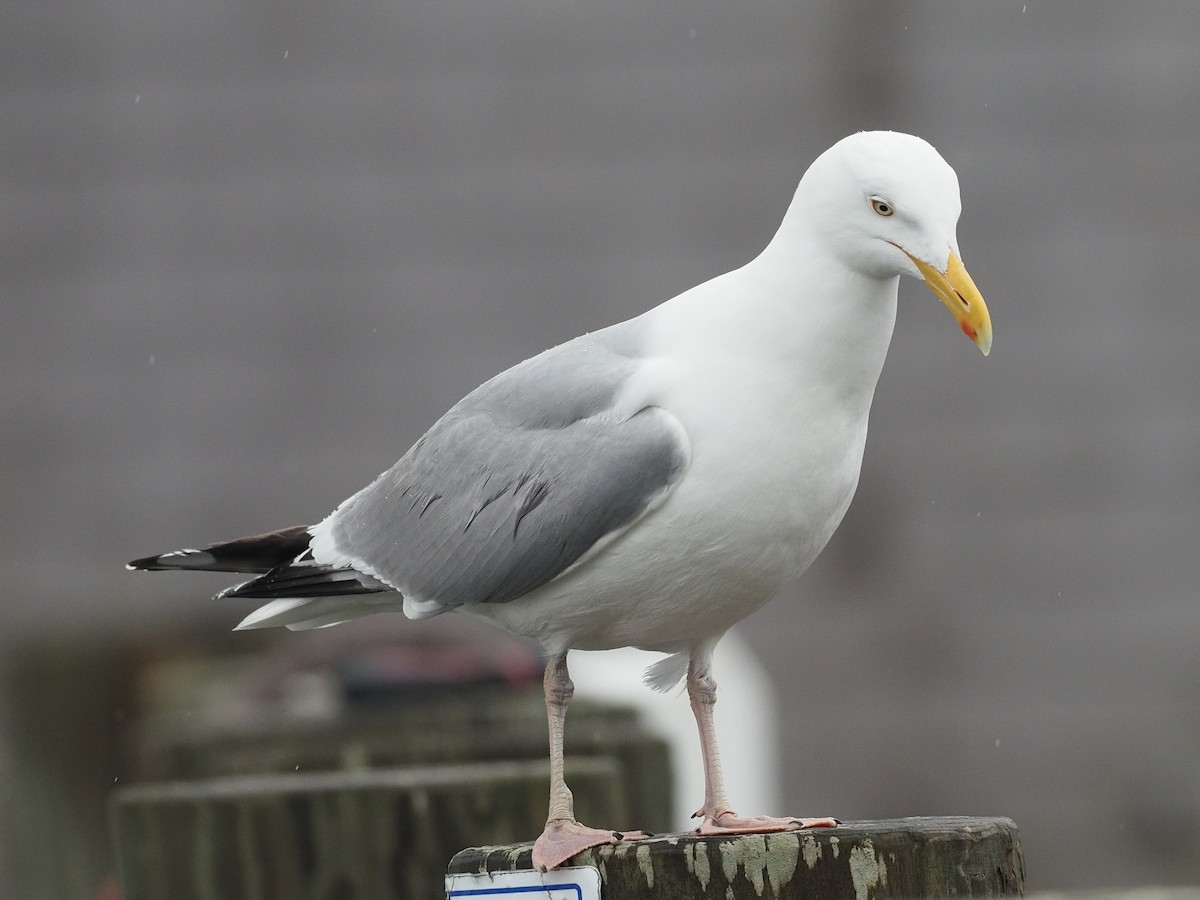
{"x":259,"y":553}
{"x":302,"y":581}
{"x":176,"y":559}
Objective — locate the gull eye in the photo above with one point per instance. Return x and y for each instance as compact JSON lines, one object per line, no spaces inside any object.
{"x":881,"y":206}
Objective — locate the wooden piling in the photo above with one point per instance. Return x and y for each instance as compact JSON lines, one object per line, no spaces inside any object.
{"x":868,"y":860}
{"x":372,"y":835}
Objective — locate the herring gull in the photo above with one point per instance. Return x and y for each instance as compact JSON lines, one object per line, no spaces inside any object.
{"x":652,"y":483}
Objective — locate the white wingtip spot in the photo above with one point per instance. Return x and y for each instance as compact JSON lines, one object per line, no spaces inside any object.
{"x":199,"y":557}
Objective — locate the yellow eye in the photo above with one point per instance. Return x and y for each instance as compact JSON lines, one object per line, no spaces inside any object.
{"x":881,"y":206}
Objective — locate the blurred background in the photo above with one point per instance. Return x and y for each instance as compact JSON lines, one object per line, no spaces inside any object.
{"x":249,"y":251}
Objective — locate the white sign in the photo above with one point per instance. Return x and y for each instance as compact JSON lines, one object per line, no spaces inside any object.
{"x":575,"y":883}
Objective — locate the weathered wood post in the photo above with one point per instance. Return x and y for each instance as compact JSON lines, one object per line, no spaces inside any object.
{"x":871,"y":860}
{"x":380,"y":834}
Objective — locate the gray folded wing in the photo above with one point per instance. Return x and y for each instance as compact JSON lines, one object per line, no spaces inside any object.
{"x":514,"y":484}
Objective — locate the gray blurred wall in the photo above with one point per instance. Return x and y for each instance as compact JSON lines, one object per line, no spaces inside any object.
{"x":249,"y":251}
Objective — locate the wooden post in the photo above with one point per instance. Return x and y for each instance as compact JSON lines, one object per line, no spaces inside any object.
{"x":372,"y":835}
{"x":892,"y":858}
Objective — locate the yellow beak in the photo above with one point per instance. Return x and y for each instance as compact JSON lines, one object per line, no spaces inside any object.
{"x":955,"y":288}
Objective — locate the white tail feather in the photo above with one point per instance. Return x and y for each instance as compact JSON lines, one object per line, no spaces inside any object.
{"x":300,"y":614}
{"x":270,"y":614}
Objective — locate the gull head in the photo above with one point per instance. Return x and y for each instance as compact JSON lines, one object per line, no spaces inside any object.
{"x":887,"y":204}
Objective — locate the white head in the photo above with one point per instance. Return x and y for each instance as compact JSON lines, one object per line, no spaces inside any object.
{"x":887,"y":204}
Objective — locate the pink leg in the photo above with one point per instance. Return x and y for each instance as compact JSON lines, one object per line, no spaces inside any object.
{"x":563,"y":837}
{"x":716,"y":816}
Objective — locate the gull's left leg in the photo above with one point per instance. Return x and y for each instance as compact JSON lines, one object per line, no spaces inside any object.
{"x":563,"y":837}
{"x":716,"y":816}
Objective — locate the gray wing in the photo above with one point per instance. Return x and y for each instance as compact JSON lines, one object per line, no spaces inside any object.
{"x":514,"y":484}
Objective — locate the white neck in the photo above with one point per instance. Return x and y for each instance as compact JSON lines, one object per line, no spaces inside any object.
{"x":806,"y":321}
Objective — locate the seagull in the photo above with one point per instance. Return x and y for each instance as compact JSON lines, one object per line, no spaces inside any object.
{"x":652,"y":483}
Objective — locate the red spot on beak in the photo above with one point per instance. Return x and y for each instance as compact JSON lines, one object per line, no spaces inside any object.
{"x":968,"y":330}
